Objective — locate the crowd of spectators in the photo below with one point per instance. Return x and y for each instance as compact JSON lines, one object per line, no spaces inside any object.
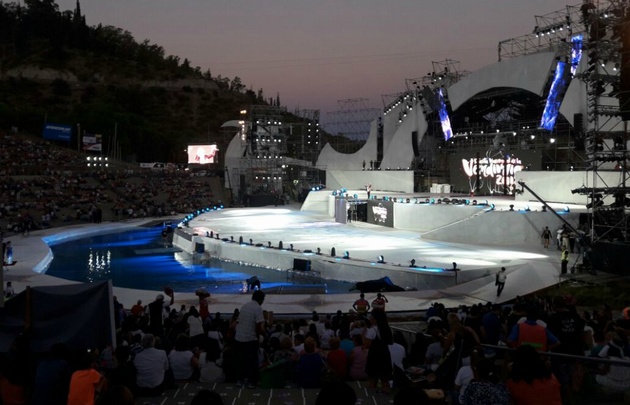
{"x":44,"y":185}
{"x":457,"y":356}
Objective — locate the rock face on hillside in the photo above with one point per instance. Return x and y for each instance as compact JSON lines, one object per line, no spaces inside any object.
{"x":39,"y":74}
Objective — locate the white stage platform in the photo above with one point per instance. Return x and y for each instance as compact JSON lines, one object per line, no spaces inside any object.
{"x":450,"y":239}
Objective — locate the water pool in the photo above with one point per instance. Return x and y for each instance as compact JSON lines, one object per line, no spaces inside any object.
{"x":139,"y":259}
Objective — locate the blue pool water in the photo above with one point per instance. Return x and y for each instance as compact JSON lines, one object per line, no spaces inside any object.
{"x":139,"y":259}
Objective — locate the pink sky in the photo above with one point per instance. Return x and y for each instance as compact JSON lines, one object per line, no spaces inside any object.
{"x":315,"y":53}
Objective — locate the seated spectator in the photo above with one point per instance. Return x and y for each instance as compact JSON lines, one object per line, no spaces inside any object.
{"x":285,"y":351}
{"x":124,"y":374}
{"x":357,"y":360}
{"x":530,"y":381}
{"x":486,"y":385}
{"x":52,"y":377}
{"x":152,"y":367}
{"x":337,"y":360}
{"x":614,"y":377}
{"x":86,"y":382}
{"x":308,"y":370}
{"x":434,"y":351}
{"x":183,"y":361}
{"x":210,"y":361}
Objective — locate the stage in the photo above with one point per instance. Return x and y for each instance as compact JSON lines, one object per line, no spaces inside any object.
{"x":479,"y":239}
{"x":480,"y":243}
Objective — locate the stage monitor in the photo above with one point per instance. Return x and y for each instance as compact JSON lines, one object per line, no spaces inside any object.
{"x":443,"y":112}
{"x":559,"y":86}
{"x":203,"y":154}
{"x":301,"y":264}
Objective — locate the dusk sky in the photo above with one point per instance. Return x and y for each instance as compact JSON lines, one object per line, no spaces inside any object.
{"x":314,"y":53}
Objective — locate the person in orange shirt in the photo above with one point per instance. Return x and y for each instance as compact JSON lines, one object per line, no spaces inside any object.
{"x":86,"y":382}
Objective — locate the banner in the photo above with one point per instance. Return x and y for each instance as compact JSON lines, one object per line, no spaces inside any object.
{"x":380,"y":212}
{"x":57,"y":132}
{"x":92,"y":143}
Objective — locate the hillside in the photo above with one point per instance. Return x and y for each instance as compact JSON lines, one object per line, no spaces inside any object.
{"x":55,"y":68}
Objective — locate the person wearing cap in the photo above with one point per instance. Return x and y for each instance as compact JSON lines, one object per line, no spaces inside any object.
{"x":156,"y":310}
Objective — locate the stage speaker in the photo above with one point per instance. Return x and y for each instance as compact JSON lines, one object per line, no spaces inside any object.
{"x":414,"y":143}
{"x":301,"y":264}
{"x":578,"y":123}
{"x":199,"y":247}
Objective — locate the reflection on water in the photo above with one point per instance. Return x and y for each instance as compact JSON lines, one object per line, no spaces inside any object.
{"x":139,"y":259}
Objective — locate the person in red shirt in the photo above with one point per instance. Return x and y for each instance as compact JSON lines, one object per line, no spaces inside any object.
{"x":362,"y":306}
{"x":337,"y":359}
{"x":379,"y":303}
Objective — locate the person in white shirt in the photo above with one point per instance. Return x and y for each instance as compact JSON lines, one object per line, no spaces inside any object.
{"x":151,"y":367}
{"x":462,"y":379}
{"x":251,"y":325}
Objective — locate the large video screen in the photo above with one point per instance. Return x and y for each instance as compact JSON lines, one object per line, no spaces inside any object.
{"x":444,"y":119}
{"x":203,"y":154}
{"x":380,"y":213}
{"x":576,"y":52}
{"x":554,"y":98}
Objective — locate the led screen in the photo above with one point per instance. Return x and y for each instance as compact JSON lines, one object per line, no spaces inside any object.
{"x":444,"y":119}
{"x":576,"y":52}
{"x":202,"y":154}
{"x":554,"y":98}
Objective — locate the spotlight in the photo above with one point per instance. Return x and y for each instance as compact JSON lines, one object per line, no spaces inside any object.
{"x":381,"y":259}
{"x":544,"y":208}
{"x":566,"y":209}
{"x":527,"y":208}
{"x":346,"y":255}
{"x":511,"y":207}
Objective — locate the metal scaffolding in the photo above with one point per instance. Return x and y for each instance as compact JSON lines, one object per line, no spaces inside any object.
{"x":353,"y":119}
{"x":607,"y":25}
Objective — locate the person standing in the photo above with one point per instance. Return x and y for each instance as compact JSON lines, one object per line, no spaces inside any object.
{"x":546,"y":236}
{"x":564,"y":260}
{"x":500,"y":281}
{"x":8,"y":290}
{"x":368,"y":188}
{"x":9,"y":253}
{"x":362,"y":306}
{"x":157,"y":310}
{"x":251,"y":325}
{"x":378,"y":305}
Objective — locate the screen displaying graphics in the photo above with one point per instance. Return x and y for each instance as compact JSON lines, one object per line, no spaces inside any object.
{"x":576,"y":52}
{"x":203,"y":154}
{"x":380,"y":212}
{"x":444,"y":119}
{"x":554,"y":98}
{"x":496,"y":174}
{"x":92,"y":143}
